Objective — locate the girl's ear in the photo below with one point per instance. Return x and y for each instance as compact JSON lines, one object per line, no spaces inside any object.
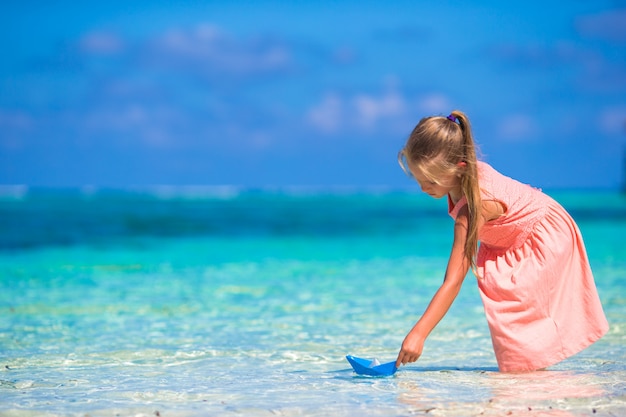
{"x":462,"y":165}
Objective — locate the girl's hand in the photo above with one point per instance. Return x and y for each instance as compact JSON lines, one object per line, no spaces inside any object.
{"x":411,"y":348}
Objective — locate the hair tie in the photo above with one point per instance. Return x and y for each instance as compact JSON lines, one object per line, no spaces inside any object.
{"x":452,"y":118}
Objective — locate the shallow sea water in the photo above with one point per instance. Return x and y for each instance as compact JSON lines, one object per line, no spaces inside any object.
{"x":246,"y":303}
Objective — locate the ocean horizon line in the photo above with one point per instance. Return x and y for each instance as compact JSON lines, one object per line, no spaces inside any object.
{"x":233,"y":190}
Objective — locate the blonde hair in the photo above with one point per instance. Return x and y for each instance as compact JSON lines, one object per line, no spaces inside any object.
{"x":436,"y":146}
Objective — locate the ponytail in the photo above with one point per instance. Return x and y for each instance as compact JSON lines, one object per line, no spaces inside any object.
{"x":470,"y":186}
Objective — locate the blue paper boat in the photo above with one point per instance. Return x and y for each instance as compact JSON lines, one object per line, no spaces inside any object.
{"x":371,"y":367}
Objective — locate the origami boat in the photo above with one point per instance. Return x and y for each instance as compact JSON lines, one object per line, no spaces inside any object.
{"x":371,"y":367}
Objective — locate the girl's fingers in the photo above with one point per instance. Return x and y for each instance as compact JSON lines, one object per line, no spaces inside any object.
{"x":404,"y":358}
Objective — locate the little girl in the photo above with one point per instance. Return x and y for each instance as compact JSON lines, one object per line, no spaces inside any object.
{"x":534,"y":277}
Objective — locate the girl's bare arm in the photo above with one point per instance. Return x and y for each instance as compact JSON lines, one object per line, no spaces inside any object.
{"x":458,"y":265}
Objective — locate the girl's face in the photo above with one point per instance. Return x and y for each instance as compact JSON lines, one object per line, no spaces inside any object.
{"x":436,"y":187}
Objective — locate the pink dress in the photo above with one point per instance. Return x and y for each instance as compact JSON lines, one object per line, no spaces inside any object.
{"x":534,"y":277}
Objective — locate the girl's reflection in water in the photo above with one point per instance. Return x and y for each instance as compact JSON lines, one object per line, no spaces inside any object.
{"x":486,"y":392}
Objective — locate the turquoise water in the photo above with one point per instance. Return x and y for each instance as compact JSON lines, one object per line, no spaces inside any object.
{"x":184,"y":302}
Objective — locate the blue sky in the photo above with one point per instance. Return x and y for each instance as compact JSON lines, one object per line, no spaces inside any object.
{"x":306,"y":93}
